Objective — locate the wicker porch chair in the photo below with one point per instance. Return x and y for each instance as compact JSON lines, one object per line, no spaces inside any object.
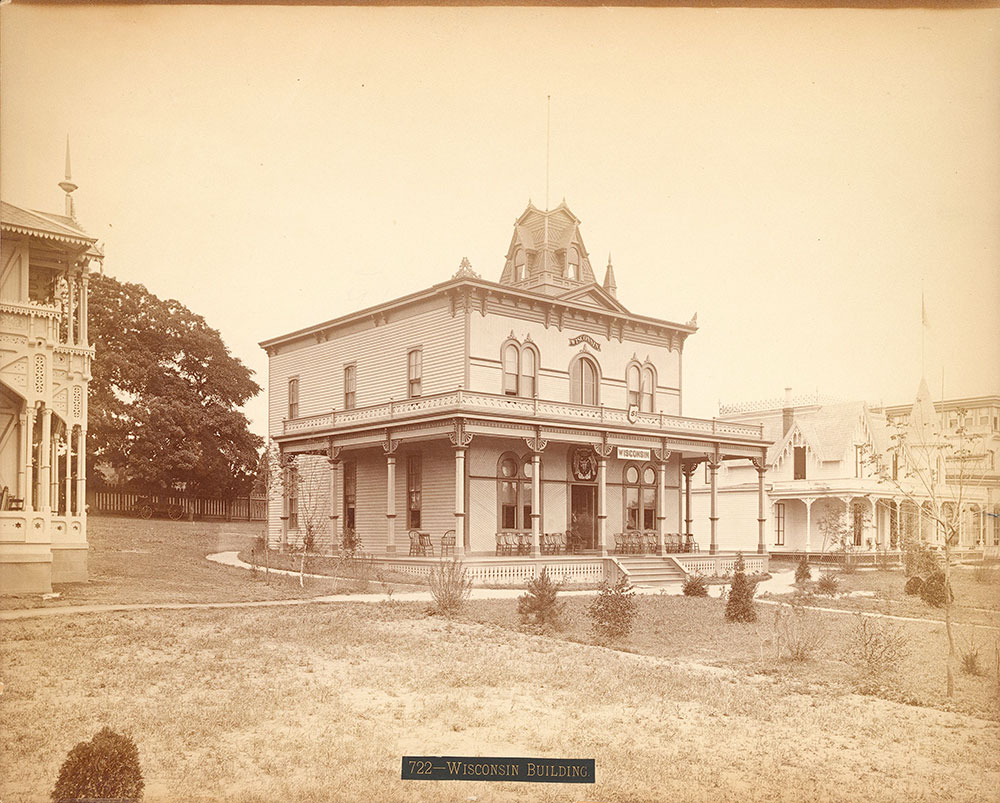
{"x":448,"y":543}
{"x":414,"y":542}
{"x":619,"y":543}
{"x":652,"y":541}
{"x":501,"y":546}
{"x":510,"y":542}
{"x":426,"y":545}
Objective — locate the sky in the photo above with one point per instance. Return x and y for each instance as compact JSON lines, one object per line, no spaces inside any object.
{"x":799,"y":178}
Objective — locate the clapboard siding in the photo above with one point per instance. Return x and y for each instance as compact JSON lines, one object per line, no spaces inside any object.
{"x":488,"y":334}
{"x":380,"y":354}
{"x":737,"y":527}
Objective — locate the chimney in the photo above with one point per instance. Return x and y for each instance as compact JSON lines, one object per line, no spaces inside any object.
{"x":787,"y":413}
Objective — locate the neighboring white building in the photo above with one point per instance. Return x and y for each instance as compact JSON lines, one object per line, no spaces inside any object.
{"x":45,"y":359}
{"x":819,"y":469}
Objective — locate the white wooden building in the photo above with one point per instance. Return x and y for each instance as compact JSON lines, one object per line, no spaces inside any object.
{"x":535,"y":419}
{"x":45,"y":360}
{"x":819,"y":469}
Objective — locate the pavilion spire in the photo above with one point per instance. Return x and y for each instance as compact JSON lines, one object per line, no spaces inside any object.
{"x":609,"y":279}
{"x":68,"y":186}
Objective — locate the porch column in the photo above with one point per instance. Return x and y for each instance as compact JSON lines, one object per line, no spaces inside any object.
{"x":23,"y":450}
{"x":81,"y":471}
{"x":661,"y":507}
{"x":334,"y":461}
{"x":45,"y":457}
{"x":761,"y":465}
{"x":460,"y":500}
{"x":284,"y":500}
{"x":70,"y":305}
{"x":390,"y":503}
{"x":808,"y":503}
{"x":688,"y":469}
{"x":54,"y":462}
{"x":83,"y":310}
{"x":874,"y":527}
{"x":536,"y":503}
{"x":713,"y":468}
{"x":29,"y":453}
{"x":69,"y":472}
{"x":460,"y":439}
{"x":602,"y":502}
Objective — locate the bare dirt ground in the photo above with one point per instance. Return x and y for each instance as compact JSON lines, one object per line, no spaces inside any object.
{"x":321,"y":703}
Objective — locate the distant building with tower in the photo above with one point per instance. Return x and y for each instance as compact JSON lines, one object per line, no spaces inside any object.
{"x":527,"y":422}
{"x":45,"y":360}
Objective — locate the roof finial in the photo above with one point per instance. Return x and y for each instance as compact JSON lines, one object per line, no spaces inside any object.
{"x":68,"y":186}
{"x":465,"y":270}
{"x":609,"y":279}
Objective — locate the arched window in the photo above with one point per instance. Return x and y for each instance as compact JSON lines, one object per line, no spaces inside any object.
{"x":640,"y":497}
{"x":519,"y":274}
{"x":573,"y":264}
{"x":583,"y":379}
{"x":510,"y":369}
{"x":632,"y":381}
{"x":529,"y":372}
{"x":648,"y":391}
{"x":520,"y":369}
{"x":513,"y":492}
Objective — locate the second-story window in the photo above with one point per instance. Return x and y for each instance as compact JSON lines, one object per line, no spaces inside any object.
{"x":414,"y":373}
{"x":632,"y":385}
{"x":293,"y":397}
{"x":583,"y":382}
{"x":799,"y":467}
{"x":648,"y":390}
{"x":528,"y":371}
{"x":510,"y":369}
{"x":350,"y":381}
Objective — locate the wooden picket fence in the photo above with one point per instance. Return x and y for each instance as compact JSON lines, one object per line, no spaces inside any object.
{"x":123,"y":503}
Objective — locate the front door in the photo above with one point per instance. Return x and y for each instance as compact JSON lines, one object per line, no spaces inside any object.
{"x":583,"y":514}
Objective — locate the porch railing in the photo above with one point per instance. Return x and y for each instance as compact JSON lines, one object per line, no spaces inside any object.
{"x":474,"y":401}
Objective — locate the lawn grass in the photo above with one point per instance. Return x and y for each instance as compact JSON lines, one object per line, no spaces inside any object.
{"x":153,"y":561}
{"x":321,"y":703}
{"x":977,"y":601}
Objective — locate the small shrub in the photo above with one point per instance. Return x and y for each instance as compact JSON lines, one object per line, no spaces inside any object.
{"x":538,"y":606}
{"x":739,"y":605}
{"x":918,"y":558}
{"x":105,"y":768}
{"x":877,"y":649}
{"x":913,"y":585}
{"x":450,"y":587}
{"x":612,"y":613}
{"x":828,"y":584}
{"x":970,"y":662}
{"x":802,"y":572}
{"x":797,"y":631}
{"x":695,"y":586}
{"x":935,"y":591}
{"x":350,"y":543}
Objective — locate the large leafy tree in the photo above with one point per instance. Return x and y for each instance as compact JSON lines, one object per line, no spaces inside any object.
{"x":165,"y":396}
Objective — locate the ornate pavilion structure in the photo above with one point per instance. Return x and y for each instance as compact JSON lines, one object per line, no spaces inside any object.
{"x":516,"y":423}
{"x":45,"y":358}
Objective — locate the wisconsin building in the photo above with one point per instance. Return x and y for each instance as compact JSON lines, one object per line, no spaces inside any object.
{"x":45,"y":358}
{"x":516,"y":423}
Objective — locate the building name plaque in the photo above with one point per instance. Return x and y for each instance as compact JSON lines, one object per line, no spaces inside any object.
{"x":585,"y":339}
{"x":628,"y":453}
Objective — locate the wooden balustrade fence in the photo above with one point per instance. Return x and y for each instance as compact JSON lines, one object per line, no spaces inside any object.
{"x":240,"y":508}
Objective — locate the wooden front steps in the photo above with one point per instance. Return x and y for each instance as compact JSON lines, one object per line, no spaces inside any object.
{"x":651,"y":571}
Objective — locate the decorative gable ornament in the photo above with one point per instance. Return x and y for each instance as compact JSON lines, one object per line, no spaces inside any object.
{"x":465,"y":270}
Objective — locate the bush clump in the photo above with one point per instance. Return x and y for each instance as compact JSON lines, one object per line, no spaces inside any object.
{"x":798,"y":631}
{"x":105,"y":768}
{"x":802,"y":572}
{"x":935,"y":590}
{"x":695,"y":586}
{"x":539,"y":606}
{"x":739,"y":605}
{"x":913,"y":585}
{"x":876,"y":648}
{"x":450,"y":587}
{"x":612,"y":613}
{"x":828,"y":584}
